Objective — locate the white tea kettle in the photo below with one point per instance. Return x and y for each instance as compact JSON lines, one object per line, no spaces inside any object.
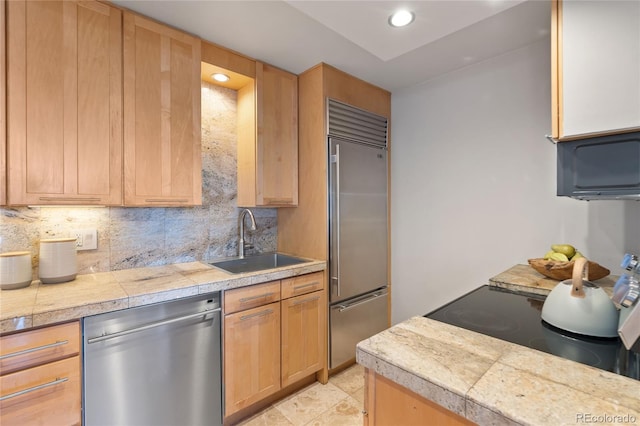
{"x":581,"y":307}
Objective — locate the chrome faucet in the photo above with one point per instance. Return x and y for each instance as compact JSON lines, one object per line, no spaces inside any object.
{"x":241,"y":243}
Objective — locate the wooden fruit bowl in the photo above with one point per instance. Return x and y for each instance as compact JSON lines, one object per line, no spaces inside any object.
{"x":562,"y":270}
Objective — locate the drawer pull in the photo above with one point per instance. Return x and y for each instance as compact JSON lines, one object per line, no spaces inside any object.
{"x":33,"y":389}
{"x":257,"y":314}
{"x":260,"y":296}
{"x":300,"y":302}
{"x":311,"y":284}
{"x":30,"y":350}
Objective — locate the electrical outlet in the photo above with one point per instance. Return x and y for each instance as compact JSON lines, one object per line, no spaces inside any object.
{"x":86,"y":239}
{"x":78,"y":240}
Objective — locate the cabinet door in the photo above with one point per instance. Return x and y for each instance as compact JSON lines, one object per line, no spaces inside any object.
{"x":3,"y":109}
{"x":162,"y":163}
{"x":303,"y":336}
{"x":268,"y":139}
{"x":387,"y":403}
{"x":251,"y":356}
{"x":596,"y":76}
{"x":44,"y":395}
{"x":64,"y":103}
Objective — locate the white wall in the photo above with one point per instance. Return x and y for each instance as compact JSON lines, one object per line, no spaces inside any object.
{"x":473,"y":184}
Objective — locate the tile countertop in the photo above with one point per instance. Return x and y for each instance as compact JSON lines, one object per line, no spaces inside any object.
{"x":491,"y":381}
{"x":91,"y":294}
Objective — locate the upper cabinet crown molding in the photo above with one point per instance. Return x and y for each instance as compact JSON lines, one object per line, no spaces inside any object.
{"x":162,"y":165}
{"x":64,"y":103}
{"x":595,"y":67}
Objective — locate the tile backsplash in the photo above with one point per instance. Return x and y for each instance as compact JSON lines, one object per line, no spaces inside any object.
{"x":137,"y":237}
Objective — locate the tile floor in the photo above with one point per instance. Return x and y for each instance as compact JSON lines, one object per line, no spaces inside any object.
{"x":338,"y":403}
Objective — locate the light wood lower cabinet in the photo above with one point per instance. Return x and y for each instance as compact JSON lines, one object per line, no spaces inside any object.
{"x":271,"y":343}
{"x":389,"y":404}
{"x":40,"y":377}
{"x":3,"y":107}
{"x":303,"y":335}
{"x":252,"y":356}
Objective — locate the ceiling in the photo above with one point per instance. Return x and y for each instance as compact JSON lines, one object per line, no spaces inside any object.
{"x":355,"y":37}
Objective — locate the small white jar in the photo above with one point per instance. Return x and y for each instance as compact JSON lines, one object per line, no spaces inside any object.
{"x":58,"y":262}
{"x":15,"y":270}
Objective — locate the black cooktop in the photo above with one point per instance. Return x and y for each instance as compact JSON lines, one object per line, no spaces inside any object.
{"x":515,"y":317}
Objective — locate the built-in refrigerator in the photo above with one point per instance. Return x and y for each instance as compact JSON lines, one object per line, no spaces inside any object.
{"x":358,"y":228}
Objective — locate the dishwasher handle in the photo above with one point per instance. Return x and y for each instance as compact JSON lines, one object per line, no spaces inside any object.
{"x":149,"y":326}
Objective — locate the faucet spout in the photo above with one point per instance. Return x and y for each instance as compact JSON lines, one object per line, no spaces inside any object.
{"x":241,"y":243}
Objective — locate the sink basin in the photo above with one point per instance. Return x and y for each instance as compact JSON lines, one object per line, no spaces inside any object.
{"x":258,"y":262}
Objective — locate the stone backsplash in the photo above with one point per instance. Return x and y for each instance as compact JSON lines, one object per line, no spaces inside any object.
{"x":137,"y":237}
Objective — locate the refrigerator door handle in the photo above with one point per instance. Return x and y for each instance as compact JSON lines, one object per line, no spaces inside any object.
{"x":347,"y":306}
{"x":337,"y":221}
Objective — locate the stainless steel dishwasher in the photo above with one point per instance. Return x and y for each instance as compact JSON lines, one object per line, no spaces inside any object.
{"x":154,"y":365}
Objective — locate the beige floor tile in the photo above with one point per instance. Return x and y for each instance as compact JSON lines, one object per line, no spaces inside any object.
{"x":359,"y":395}
{"x":269,"y":417}
{"x":309,"y":403}
{"x":347,"y":412}
{"x":349,"y":380}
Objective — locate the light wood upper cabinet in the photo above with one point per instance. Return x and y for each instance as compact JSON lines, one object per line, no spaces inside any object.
{"x":595,"y":67}
{"x":64,"y":103}
{"x":162,"y":165}
{"x":268,"y":139}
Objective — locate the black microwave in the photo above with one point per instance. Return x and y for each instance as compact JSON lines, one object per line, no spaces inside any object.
{"x":600,"y":168}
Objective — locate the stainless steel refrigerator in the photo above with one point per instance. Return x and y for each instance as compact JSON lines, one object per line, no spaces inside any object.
{"x":358,"y":230}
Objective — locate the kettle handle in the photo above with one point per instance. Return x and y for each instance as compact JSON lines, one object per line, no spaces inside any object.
{"x":580,"y":271}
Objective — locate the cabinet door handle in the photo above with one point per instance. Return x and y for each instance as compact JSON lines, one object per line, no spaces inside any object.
{"x":81,"y":199}
{"x":33,"y":389}
{"x":311,"y":284}
{"x":260,"y":296}
{"x":166,"y":200}
{"x":30,"y":350}
{"x":257,"y":314}
{"x":300,"y":302}
{"x":278,"y":200}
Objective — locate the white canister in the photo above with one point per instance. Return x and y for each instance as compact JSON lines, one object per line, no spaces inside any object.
{"x":15,"y":270}
{"x":58,"y":262}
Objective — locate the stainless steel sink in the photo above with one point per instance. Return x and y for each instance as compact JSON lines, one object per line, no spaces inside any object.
{"x":258,"y":262}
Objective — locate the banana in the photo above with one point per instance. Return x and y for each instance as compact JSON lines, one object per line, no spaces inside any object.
{"x":577,"y":255}
{"x":559,"y":257}
{"x":567,"y":249}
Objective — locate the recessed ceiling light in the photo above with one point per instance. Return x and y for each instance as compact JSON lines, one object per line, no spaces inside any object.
{"x":220,"y":77}
{"x":401,"y":18}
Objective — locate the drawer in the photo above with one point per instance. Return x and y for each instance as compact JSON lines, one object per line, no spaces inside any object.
{"x":51,"y":395}
{"x":35,"y":347}
{"x":302,"y":284}
{"x":252,"y":296}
